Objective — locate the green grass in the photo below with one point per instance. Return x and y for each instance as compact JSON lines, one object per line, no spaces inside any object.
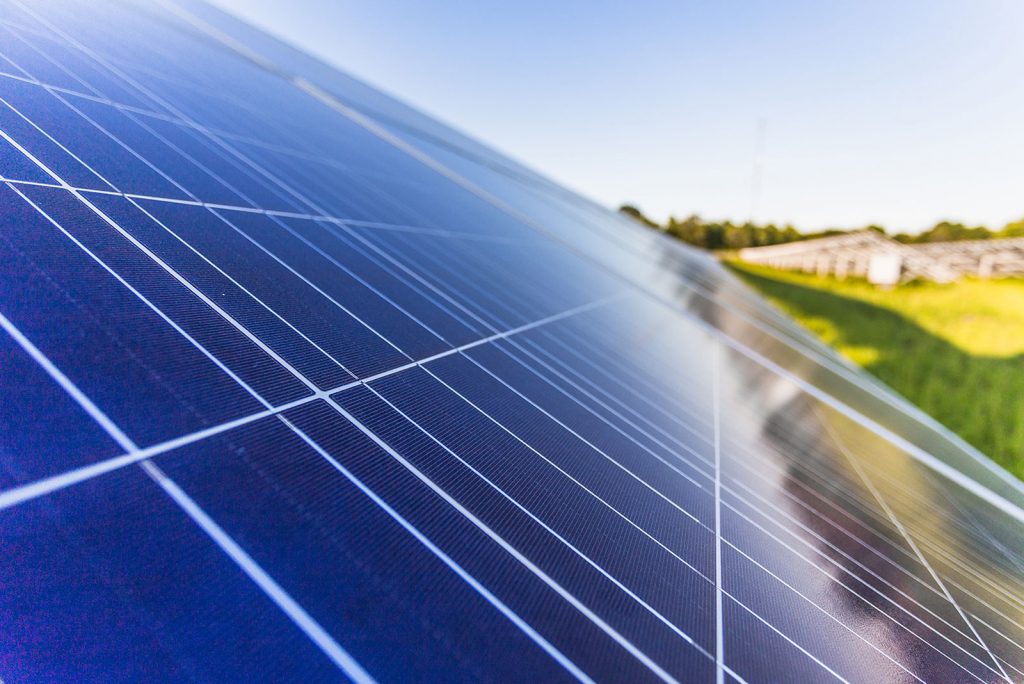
{"x":957,"y":351}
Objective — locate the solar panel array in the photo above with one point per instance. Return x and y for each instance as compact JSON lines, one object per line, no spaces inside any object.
{"x":300,"y":385}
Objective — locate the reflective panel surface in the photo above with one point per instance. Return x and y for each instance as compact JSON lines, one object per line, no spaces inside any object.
{"x":301,"y":385}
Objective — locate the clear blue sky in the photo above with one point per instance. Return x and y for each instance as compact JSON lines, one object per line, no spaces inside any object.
{"x":899,"y":113}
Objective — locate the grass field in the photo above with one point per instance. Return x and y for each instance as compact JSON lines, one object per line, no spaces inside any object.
{"x":957,"y":351}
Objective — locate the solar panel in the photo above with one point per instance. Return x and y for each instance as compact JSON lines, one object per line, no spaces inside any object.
{"x":300,"y":385}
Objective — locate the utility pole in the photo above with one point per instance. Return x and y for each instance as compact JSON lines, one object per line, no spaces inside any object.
{"x":755,"y":178}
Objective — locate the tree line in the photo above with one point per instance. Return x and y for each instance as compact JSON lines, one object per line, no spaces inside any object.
{"x":714,"y":235}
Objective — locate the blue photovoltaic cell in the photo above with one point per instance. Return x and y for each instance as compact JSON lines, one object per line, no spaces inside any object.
{"x":329,"y":278}
{"x":156,"y":598}
{"x":139,"y":370}
{"x":276,"y":333}
{"x":51,"y":157}
{"x":194,"y":180}
{"x":44,"y":432}
{"x":336,"y":244}
{"x":87,"y":141}
{"x":298,"y":384}
{"x":239,"y":354}
{"x":544,"y":414}
{"x":13,"y":164}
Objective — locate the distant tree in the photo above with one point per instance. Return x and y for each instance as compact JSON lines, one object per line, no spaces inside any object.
{"x":635,"y":214}
{"x":1012,"y":229}
{"x":714,"y":235}
{"x":946,"y":231}
{"x":828,"y":232}
{"x":690,"y":230}
{"x":769,"y":235}
{"x":738,"y":237}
